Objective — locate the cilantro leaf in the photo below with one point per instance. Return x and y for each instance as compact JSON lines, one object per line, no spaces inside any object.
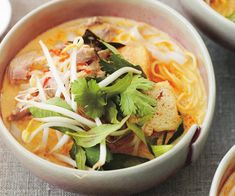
{"x":57,"y":101}
{"x":141,"y":83}
{"x":88,"y":95}
{"x":119,"y":86}
{"x":133,"y":101}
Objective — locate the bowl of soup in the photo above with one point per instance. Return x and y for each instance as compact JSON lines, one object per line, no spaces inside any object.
{"x":104,"y":96}
{"x":223,"y":183}
{"x":215,"y":18}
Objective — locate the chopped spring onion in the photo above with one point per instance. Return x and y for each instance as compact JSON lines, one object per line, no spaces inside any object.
{"x":60,"y":110}
{"x":108,"y":80}
{"x":55,"y":73}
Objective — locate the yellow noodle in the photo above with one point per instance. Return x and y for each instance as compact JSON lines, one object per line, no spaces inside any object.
{"x":189,"y":86}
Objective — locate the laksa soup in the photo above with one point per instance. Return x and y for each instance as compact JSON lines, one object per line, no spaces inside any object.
{"x":102,"y":93}
{"x":224,"y":7}
{"x":228,"y":185}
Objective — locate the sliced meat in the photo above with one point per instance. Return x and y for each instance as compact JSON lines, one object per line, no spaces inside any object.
{"x":104,"y":30}
{"x":125,"y":146}
{"x":166,"y":117}
{"x":91,"y":70}
{"x":17,"y":114}
{"x":19,"y":66}
{"x":94,"y":21}
{"x":86,"y":54}
{"x":137,"y":55}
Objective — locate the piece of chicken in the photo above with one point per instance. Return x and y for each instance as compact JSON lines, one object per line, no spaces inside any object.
{"x":102,"y":29}
{"x":166,"y":117}
{"x":19,"y":66}
{"x":86,"y":54}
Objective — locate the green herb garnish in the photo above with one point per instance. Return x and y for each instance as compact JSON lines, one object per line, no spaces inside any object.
{"x":119,"y":86}
{"x":95,"y":135}
{"x":40,"y":113}
{"x":133,"y":101}
{"x":112,"y":112}
{"x":89,"y":96}
{"x":158,"y":150}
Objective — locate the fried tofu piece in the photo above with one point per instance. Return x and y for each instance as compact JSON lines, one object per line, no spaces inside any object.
{"x":166,"y":117}
{"x":137,"y":55}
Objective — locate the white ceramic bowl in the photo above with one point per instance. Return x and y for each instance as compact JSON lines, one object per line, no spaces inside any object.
{"x":226,"y":166}
{"x":217,"y":27}
{"x":133,"y":179}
